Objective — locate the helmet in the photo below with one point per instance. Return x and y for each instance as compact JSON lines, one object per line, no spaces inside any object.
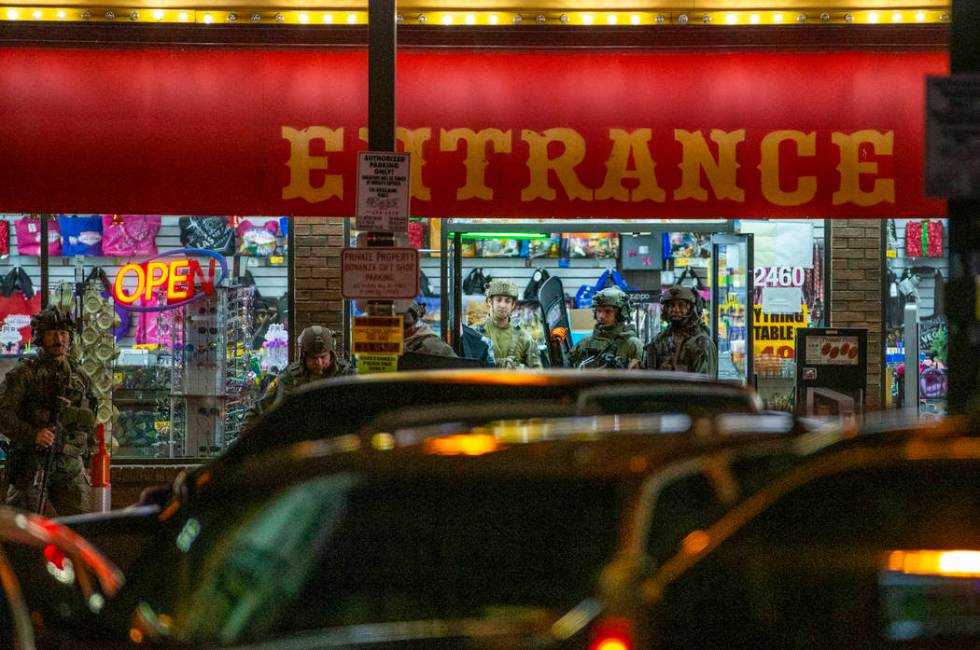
{"x":502,"y":288}
{"x":612,"y":297}
{"x":413,"y":313}
{"x":683,"y":294}
{"x":51,"y":318}
{"x":316,"y":339}
{"x":678,"y":293}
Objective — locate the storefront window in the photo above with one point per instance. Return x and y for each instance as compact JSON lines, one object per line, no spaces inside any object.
{"x":783,"y":267}
{"x":916,"y":268}
{"x":182,"y":320}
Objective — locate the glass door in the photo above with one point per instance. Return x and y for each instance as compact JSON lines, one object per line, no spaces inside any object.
{"x":731,"y":311}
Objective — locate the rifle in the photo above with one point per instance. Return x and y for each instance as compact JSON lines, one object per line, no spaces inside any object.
{"x":606,"y":359}
{"x":43,"y":474}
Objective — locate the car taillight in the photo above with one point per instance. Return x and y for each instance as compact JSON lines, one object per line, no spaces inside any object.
{"x":612,"y":634}
{"x":54,"y":555}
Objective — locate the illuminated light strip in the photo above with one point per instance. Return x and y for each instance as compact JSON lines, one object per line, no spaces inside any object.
{"x":904,"y":15}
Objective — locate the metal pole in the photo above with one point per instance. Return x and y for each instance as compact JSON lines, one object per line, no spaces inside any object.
{"x":964,"y":243}
{"x":381,"y":107}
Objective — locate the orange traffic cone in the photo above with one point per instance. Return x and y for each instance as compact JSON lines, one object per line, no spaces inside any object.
{"x":101,"y":487}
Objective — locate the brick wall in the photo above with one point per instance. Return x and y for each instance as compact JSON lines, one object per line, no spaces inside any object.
{"x":317,"y":243}
{"x":855,"y":291}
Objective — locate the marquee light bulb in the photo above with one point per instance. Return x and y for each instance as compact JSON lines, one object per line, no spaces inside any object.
{"x":494,"y":19}
{"x":897,"y":17}
{"x":754,"y":19}
{"x":920,"y":16}
{"x":873,"y":17}
{"x":182,"y":16}
{"x":447,"y":19}
{"x":731,"y":19}
{"x":470,"y":19}
{"x":587,"y":19}
{"x":612,"y":19}
{"x":634,"y":20}
{"x":12,"y":14}
{"x":37,"y":14}
{"x":61,"y":14}
{"x":777,"y":18}
{"x":303,"y":18}
{"x":351,"y":19}
{"x":328,"y":19}
{"x":158,"y":14}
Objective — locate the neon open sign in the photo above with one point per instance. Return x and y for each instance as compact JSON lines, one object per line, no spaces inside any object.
{"x":183,"y":279}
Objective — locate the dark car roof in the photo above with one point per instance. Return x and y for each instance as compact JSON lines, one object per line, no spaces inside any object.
{"x":344,"y":405}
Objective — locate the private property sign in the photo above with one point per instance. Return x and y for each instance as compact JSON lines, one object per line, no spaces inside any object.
{"x":379,"y":273}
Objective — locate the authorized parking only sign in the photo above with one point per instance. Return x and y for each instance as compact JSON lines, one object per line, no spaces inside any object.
{"x":379,"y":273}
{"x":383,"y":191}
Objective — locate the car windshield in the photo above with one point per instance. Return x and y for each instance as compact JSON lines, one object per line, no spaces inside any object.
{"x":349,"y":548}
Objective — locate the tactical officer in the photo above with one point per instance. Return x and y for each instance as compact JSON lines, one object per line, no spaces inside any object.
{"x":614,"y":343}
{"x":512,"y":346}
{"x":318,"y":359}
{"x":686,"y":344}
{"x":419,"y":337}
{"x":47,"y":407}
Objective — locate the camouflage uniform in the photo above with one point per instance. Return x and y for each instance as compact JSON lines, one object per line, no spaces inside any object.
{"x":43,"y":392}
{"x":685,"y":345}
{"x":617,"y":346}
{"x":512,"y":346}
{"x":423,"y":340}
{"x":312,"y":340}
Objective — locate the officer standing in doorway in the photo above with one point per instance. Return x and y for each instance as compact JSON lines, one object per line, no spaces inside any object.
{"x":419,"y":337}
{"x":614,"y":343}
{"x":512,"y":346}
{"x":318,"y":359}
{"x":47,"y":409}
{"x":686,"y":344}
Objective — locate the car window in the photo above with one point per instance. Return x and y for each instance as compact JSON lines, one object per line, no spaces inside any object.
{"x":695,"y":501}
{"x":812,"y":570}
{"x":353,"y":549}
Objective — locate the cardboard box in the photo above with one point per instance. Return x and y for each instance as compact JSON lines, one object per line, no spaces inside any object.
{"x":581,"y":319}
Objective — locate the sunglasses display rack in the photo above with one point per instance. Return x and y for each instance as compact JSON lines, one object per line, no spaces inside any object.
{"x":210,"y":389}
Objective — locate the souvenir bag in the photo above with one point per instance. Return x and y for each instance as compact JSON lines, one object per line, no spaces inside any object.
{"x":913,"y":239}
{"x":28,"y":233}
{"x":155,"y":327}
{"x":934,"y":238}
{"x":416,"y":234}
{"x":128,"y":235}
{"x":258,"y":241}
{"x":18,"y":302}
{"x":208,"y":233}
{"x":80,"y":235}
{"x":4,"y":238}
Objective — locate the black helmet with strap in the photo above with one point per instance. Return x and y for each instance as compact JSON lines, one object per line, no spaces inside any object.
{"x":316,"y":339}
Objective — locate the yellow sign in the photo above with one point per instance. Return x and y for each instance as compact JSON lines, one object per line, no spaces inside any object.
{"x":774,"y":335}
{"x":377,"y":335}
{"x":368,"y":364}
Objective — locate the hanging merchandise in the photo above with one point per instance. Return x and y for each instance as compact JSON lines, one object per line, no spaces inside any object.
{"x":28,"y":233}
{"x":416,"y":234}
{"x":155,"y":327}
{"x":18,"y":302}
{"x":425,"y":287}
{"x":934,"y":238}
{"x":80,"y":235}
{"x":592,"y":245}
{"x":121,"y":329}
{"x":127,"y":235}
{"x":257,"y":241}
{"x":208,"y":233}
{"x":276,"y":346}
{"x":476,"y":282}
{"x":913,"y":239}
{"x":891,"y":236}
{"x":894,"y":304}
{"x":4,"y":238}
{"x":534,"y":284}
